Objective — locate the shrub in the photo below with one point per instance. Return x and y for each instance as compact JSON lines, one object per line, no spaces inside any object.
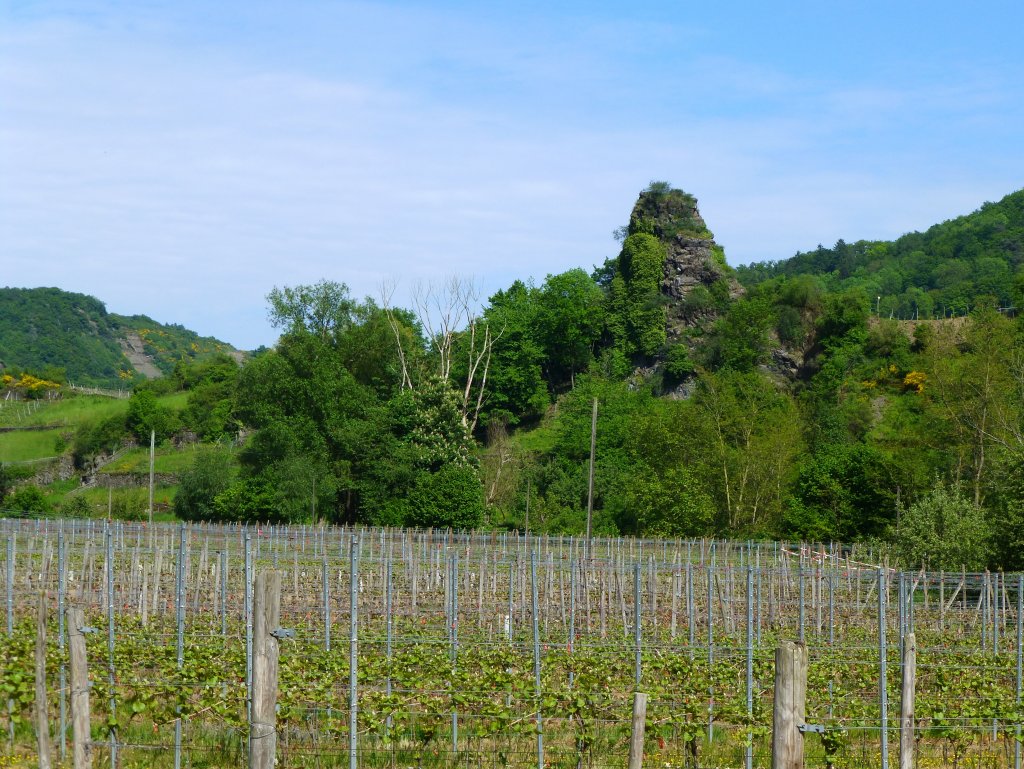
{"x":75,"y":506}
{"x":27,"y":500}
{"x":198,"y":486}
{"x":944,"y":530}
{"x":451,"y":497}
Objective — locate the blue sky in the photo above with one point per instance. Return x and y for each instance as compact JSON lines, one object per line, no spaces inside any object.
{"x":181,"y":159}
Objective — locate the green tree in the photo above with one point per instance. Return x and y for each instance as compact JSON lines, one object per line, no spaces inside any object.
{"x":976,"y":394}
{"x":569,"y":322}
{"x":210,"y":474}
{"x":421,"y":436}
{"x":943,"y":529}
{"x":516,"y":387}
{"x":739,"y":340}
{"x":146,"y":413}
{"x":1007,"y":503}
{"x":843,"y":492}
{"x":322,"y":309}
{"x":98,"y":437}
{"x":641,"y":263}
{"x":452,"y":497}
{"x":27,"y":500}
{"x":844,"y":318}
{"x":748,"y":434}
{"x":671,"y":503}
{"x":6,"y":481}
{"x":312,"y":422}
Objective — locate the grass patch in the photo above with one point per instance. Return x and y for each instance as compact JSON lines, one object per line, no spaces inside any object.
{"x":129,"y":503}
{"x":176,"y":401}
{"x":168,"y":460}
{"x":540,"y":439}
{"x":70,"y":411}
{"x":36,"y":444}
{"x":73,"y":410}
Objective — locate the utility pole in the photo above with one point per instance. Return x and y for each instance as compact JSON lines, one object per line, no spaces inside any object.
{"x":590,"y":482}
{"x":527,"y":506}
{"x":152,"y":466}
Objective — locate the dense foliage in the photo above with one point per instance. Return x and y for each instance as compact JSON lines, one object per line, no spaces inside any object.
{"x":945,"y":271}
{"x":63,"y":336}
{"x":59,"y":335}
{"x":795,"y":409}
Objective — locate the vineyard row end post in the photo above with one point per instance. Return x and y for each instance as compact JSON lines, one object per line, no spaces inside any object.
{"x":79,"y":691}
{"x":636,"y":739}
{"x":907,"y":702}
{"x":266,"y":624}
{"x":789,"y":707}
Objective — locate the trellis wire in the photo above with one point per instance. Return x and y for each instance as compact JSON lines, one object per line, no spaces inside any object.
{"x":736,"y":580}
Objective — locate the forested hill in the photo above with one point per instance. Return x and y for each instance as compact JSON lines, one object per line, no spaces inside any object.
{"x":65,"y":336}
{"x":785,"y":409}
{"x":944,"y":271}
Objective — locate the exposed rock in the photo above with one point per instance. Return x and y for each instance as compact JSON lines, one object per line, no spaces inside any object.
{"x":683,"y":391}
{"x":696,"y":280}
{"x":134,"y":350}
{"x":691,"y":263}
{"x":60,"y":469}
{"x":135,"y":480}
{"x":784,"y":363}
{"x":692,"y":258}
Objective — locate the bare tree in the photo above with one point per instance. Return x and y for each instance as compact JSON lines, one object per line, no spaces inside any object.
{"x":446,"y":312}
{"x":442,"y":310}
{"x":478,"y":356}
{"x":387,"y":290}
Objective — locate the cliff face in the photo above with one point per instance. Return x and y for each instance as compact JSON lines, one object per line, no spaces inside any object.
{"x":692,"y":268}
{"x":696,"y":280}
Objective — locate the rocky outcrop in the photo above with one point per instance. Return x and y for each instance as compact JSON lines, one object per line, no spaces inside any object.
{"x":696,"y":280}
{"x":785,"y":364}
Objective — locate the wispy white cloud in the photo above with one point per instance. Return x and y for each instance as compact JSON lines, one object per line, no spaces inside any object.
{"x":184,"y":173}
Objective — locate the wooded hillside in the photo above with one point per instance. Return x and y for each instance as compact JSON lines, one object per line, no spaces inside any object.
{"x":790,"y":407}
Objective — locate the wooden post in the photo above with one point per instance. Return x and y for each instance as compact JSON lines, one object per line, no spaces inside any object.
{"x":907,"y":702}
{"x":266,"y":620}
{"x":42,"y":721}
{"x":79,"y":691}
{"x":636,"y":740}
{"x":790,"y":705}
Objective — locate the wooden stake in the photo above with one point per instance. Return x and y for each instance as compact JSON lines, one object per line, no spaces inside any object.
{"x":789,"y":706}
{"x":42,"y":720}
{"x":636,"y":740}
{"x":266,"y":621}
{"x":79,"y":691}
{"x":907,"y":702}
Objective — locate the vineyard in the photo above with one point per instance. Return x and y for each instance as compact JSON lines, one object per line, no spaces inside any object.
{"x":431,"y":648}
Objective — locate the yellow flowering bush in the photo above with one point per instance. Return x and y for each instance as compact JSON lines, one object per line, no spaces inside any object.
{"x":915,"y":381}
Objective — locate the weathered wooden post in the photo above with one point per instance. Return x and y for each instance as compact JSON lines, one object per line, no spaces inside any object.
{"x":79,"y":690}
{"x":636,"y":740}
{"x":790,"y":705}
{"x":42,"y":720}
{"x":907,"y":702}
{"x":265,"y":623}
